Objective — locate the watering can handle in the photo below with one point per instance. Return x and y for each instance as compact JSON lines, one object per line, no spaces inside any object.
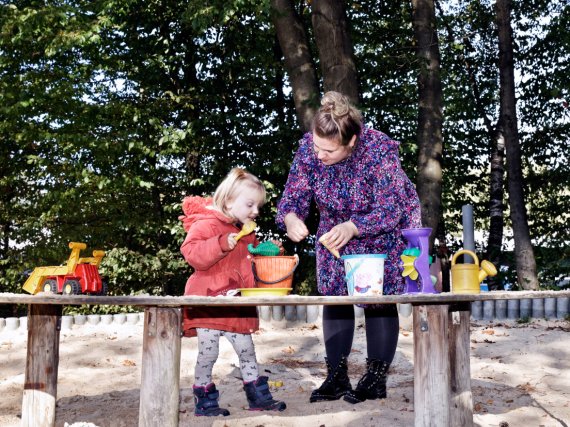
{"x":464,"y":251}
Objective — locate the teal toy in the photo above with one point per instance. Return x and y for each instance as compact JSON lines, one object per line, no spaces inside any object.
{"x":265,"y":249}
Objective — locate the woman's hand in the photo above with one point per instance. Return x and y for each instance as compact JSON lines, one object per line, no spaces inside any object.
{"x":338,"y":236}
{"x":232,"y":242}
{"x":296,"y":229}
{"x":279,"y":245}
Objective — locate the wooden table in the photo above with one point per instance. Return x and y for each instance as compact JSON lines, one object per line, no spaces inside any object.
{"x":442,"y":379}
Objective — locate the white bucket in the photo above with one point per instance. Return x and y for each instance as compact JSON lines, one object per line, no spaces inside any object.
{"x":364,"y":274}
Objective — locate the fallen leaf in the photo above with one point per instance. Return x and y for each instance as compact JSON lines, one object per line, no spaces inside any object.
{"x":526,"y":387}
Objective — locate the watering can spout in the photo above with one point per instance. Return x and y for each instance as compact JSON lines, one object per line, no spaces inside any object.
{"x":487,"y":269}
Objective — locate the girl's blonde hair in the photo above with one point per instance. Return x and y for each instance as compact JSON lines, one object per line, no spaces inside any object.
{"x":337,"y":118}
{"x":232,"y":185}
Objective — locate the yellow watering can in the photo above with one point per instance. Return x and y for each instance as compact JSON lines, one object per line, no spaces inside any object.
{"x":466,"y":278}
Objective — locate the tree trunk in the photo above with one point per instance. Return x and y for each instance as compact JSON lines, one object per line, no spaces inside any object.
{"x":335,"y":48}
{"x":496,"y":189}
{"x":496,"y":192}
{"x":524,"y":254}
{"x":298,"y":61}
{"x":430,"y":118}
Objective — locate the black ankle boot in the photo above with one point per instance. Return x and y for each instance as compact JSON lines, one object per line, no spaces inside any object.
{"x":259,"y":397}
{"x":336,"y":385}
{"x":373,"y":383}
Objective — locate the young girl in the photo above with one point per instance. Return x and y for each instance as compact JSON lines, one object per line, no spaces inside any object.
{"x":220,"y":264}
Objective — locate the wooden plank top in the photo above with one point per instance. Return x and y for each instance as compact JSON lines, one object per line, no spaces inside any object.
{"x":184,"y":301}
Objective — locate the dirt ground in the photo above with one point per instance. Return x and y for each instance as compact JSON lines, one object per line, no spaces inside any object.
{"x":520,"y":377}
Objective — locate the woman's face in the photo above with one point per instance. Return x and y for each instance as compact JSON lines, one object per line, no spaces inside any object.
{"x":330,"y":151}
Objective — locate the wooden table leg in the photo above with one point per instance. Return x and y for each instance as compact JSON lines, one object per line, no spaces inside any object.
{"x":42,"y":360}
{"x":431,"y":366}
{"x":459,"y":348}
{"x":160,"y":372}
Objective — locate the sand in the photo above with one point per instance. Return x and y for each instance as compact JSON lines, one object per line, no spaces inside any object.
{"x":520,"y":377}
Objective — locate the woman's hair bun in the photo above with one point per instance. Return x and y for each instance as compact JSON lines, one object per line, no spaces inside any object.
{"x":336,"y":104}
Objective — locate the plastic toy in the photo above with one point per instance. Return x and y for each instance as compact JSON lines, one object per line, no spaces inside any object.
{"x":267,"y":248}
{"x":263,"y":292}
{"x":415,"y":261}
{"x":246,"y":229}
{"x":325,"y":243}
{"x":79,"y":275}
{"x":466,"y":278}
{"x":408,"y":257}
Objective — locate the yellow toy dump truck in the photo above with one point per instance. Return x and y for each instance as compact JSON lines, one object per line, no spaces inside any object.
{"x":78,"y":276}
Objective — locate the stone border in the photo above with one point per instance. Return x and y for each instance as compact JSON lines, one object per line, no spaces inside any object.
{"x":76,"y":320}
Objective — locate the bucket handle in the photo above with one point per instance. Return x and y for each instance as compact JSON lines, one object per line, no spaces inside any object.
{"x":278,"y":280}
{"x":353,"y":270}
{"x":464,"y":251}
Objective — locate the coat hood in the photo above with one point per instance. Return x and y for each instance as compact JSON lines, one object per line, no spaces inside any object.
{"x":195,"y":208}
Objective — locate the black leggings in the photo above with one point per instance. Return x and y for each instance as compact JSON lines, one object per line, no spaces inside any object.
{"x":382,"y":328}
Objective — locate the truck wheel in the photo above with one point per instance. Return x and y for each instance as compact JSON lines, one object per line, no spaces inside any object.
{"x":50,"y":286}
{"x":104,"y":289}
{"x":71,"y":287}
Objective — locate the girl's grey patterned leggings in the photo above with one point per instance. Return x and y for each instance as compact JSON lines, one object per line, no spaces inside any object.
{"x":208,"y":350}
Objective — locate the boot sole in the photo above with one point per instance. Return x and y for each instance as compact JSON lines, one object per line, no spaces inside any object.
{"x":325,"y":398}
{"x":279,"y":408}
{"x":212,"y":415}
{"x":354,"y":400}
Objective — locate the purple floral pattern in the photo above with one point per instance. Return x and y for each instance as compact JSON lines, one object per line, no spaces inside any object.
{"x":369,"y":188}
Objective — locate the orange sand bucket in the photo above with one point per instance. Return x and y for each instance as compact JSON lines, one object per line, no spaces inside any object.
{"x":274,"y":271}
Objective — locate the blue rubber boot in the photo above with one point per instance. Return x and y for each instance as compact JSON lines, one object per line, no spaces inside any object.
{"x":206,"y":401}
{"x":259,"y":397}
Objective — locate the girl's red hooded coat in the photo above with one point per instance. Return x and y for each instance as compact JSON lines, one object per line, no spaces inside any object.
{"x":217,"y":269}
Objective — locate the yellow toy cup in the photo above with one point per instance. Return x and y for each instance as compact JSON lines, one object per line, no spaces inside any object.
{"x":466,"y":278}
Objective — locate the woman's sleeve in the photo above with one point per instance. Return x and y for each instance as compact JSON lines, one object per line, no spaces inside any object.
{"x":394,"y":198}
{"x":202,"y":249}
{"x":297,"y":195}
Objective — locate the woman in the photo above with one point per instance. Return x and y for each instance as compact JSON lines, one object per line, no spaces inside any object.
{"x":365,"y":199}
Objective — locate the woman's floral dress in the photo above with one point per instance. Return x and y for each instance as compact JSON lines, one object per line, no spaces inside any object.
{"x":368,"y":188}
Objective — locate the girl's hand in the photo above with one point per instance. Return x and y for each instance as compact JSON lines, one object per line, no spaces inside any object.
{"x":232,"y":242}
{"x":338,"y":236}
{"x":296,"y":229}
{"x":279,"y":245}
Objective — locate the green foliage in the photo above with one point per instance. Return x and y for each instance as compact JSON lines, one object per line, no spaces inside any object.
{"x":162,"y":273}
{"x":305,"y":279}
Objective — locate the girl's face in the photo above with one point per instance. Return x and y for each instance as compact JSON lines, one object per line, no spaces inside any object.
{"x":244,"y":207}
{"x":330,"y":151}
